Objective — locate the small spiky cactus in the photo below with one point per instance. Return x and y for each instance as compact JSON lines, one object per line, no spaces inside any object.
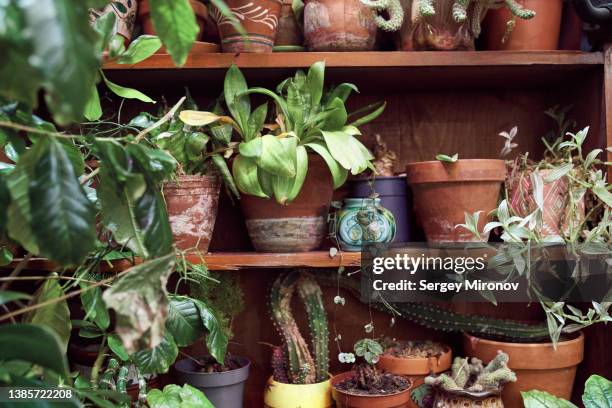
{"x":473,"y":376}
{"x":301,"y":367}
{"x":394,"y":10}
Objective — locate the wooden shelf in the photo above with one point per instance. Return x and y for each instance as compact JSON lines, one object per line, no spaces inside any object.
{"x":238,"y":260}
{"x":376,"y":70}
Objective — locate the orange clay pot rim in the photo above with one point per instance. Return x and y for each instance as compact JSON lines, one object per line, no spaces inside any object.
{"x":199,"y":8}
{"x":447,"y":350}
{"x":562,"y":343}
{"x":433,"y":162}
{"x":345,"y":375}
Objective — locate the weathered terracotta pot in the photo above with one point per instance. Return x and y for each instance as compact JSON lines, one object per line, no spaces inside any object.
{"x":445,"y":192}
{"x":192,"y":204}
{"x":298,"y":227}
{"x":555,"y":217}
{"x":539,"y":33}
{"x":144,"y":13}
{"x":339,"y":25}
{"x":465,"y":399}
{"x":125,"y":13}
{"x":416,"y":368}
{"x":346,"y":400}
{"x":538,"y":366}
{"x":439,"y":32}
{"x":259,"y":18}
{"x":288,"y":32}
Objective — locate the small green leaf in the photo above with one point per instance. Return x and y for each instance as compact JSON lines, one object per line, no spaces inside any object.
{"x":541,"y":399}
{"x":128,"y":93}
{"x":447,"y":159}
{"x":159,"y":359}
{"x":95,"y":309}
{"x":7,"y":296}
{"x":597,"y":392}
{"x":93,"y":109}
{"x":184,"y":321}
{"x":114,"y":343}
{"x":140,"y":49}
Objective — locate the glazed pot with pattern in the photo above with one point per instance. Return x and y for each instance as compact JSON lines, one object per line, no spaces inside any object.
{"x":339,"y":25}
{"x":282,"y":395}
{"x":445,"y":192}
{"x":467,"y":399}
{"x":536,"y":34}
{"x":347,"y":400}
{"x":125,"y":17}
{"x":363,"y":221}
{"x":259,"y":18}
{"x":416,"y":369}
{"x":192,"y":203}
{"x":538,"y":366}
{"x":300,"y":226}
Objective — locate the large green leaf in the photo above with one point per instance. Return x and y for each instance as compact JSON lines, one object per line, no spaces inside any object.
{"x":32,"y":343}
{"x":152,"y":217}
{"x":140,"y":49}
{"x":236,"y":99}
{"x":184,"y":322}
{"x":128,"y":93}
{"x":62,"y":40}
{"x":175,"y":24}
{"x":158,"y":359}
{"x":140,"y":301}
{"x":348,"y":151}
{"x":314,"y":82}
{"x":95,"y":309}
{"x":597,"y":392}
{"x":244,"y":170}
{"x":63,"y":214}
{"x":56,"y":315}
{"x":93,"y":109}
{"x":541,"y":399}
{"x":5,"y":201}
{"x":174,"y":396}
{"x":339,"y":173}
{"x":275,"y":158}
{"x":216,"y":340}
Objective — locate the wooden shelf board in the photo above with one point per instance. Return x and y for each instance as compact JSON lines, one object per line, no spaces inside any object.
{"x":238,"y":260}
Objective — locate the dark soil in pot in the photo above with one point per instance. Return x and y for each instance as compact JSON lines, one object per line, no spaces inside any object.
{"x":300,"y":226}
{"x":225,"y":389}
{"x":391,"y":391}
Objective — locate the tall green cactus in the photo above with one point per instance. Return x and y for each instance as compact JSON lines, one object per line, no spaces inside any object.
{"x":394,"y":12}
{"x":301,"y":366}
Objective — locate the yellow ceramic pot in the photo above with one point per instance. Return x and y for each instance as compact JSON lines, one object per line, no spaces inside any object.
{"x":280,"y":395}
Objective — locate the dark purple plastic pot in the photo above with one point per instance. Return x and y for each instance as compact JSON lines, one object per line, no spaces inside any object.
{"x":224,"y":390}
{"x":394,"y":196}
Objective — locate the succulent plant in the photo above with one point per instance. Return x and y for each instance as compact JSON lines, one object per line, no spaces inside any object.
{"x":294,"y":363}
{"x":395,"y":13}
{"x":473,"y":376}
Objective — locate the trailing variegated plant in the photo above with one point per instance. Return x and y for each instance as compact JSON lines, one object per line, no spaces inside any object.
{"x":293,"y":362}
{"x":272,"y":160}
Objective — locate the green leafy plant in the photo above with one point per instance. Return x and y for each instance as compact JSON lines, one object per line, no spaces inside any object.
{"x":174,"y":396}
{"x":272,"y":160}
{"x":447,"y":159}
{"x":597,"y":394}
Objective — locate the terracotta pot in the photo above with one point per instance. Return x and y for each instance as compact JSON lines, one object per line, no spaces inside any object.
{"x":538,"y":33}
{"x":416,"y":368}
{"x":192,"y":204}
{"x":555,"y":215}
{"x":444,"y":192}
{"x":465,"y":399}
{"x":538,"y":366}
{"x":259,"y":18}
{"x":288,"y":32}
{"x":281,"y":395}
{"x":125,"y":12}
{"x":298,"y":227}
{"x":339,"y":25}
{"x":346,"y":400}
{"x":144,"y":13}
{"x":439,"y":32}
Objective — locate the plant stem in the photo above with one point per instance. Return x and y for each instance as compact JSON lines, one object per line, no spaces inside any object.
{"x":29,"y":129}
{"x":169,"y":115}
{"x":95,"y":369}
{"x":91,"y":175}
{"x":20,"y":266}
{"x":36,"y":278}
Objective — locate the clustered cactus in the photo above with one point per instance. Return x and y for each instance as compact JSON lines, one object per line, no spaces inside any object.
{"x":294,"y":363}
{"x":426,"y":8}
{"x":395,"y":13}
{"x":473,"y":376}
{"x":115,"y":378}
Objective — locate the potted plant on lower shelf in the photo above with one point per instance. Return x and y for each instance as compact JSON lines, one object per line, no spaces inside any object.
{"x":365,"y":385}
{"x":415,"y":360}
{"x":300,"y":373}
{"x":287,"y":170}
{"x":597,"y":394}
{"x":472,"y":384}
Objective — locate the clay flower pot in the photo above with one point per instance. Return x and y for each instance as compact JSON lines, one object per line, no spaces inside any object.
{"x":144,"y":13}
{"x":298,"y":227}
{"x":224,"y":389}
{"x":416,"y":368}
{"x":346,"y":400}
{"x":339,"y":25}
{"x":539,"y":33}
{"x":125,"y":13}
{"x":439,"y":32}
{"x":538,"y":366}
{"x":192,"y":203}
{"x":259,"y":18}
{"x":465,"y":399}
{"x":281,"y":395}
{"x":445,"y":192}
{"x":288,"y":32}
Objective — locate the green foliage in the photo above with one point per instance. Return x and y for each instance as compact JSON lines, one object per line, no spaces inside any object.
{"x":597,"y":394}
{"x":175,"y":24}
{"x":447,"y":159}
{"x":159,"y":359}
{"x":369,"y":349}
{"x":174,"y":396}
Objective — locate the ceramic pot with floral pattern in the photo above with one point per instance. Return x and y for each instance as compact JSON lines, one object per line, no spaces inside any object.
{"x":125,"y":11}
{"x":363,"y":220}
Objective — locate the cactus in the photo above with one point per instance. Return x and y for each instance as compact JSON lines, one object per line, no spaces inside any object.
{"x":302,"y":368}
{"x":460,"y":10}
{"x":519,"y":11}
{"x":279,"y":365}
{"x":426,"y":7}
{"x":437,"y":318}
{"x":394,"y":9}
{"x":473,"y":376}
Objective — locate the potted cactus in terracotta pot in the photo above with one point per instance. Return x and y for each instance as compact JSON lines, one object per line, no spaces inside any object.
{"x":288,"y":170}
{"x":472,"y":384}
{"x":300,"y":373}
